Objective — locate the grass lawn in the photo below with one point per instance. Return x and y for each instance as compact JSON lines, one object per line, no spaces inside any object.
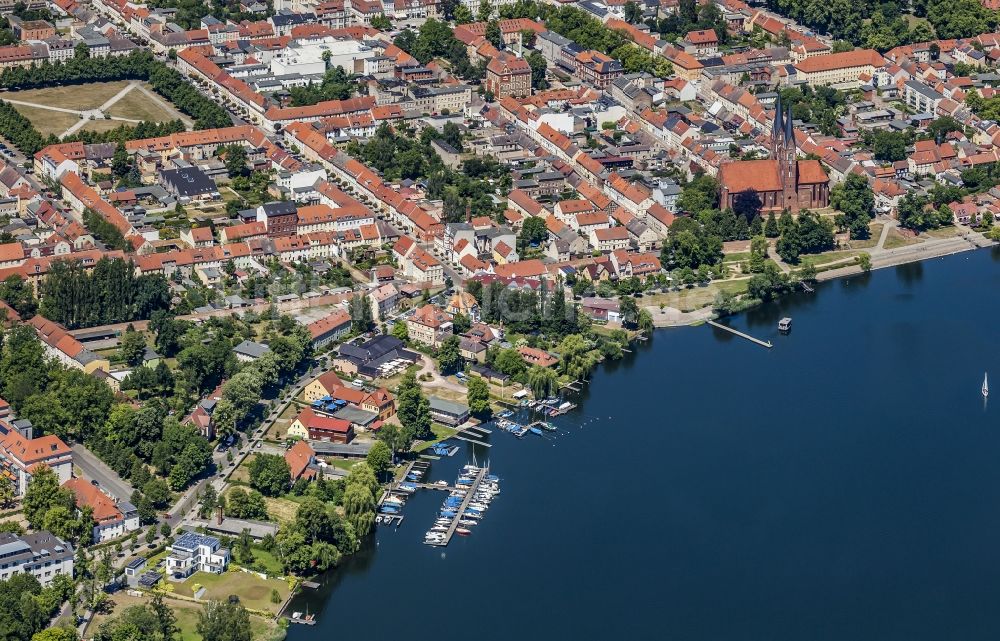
{"x":268,"y":561}
{"x":441,"y":433}
{"x":187,"y":616}
{"x":80,"y":97}
{"x":826,"y":257}
{"x":736,"y":257}
{"x":254,"y":592}
{"x":343,"y":464}
{"x":102,"y":125}
{"x":896,"y":239}
{"x":47,"y":121}
{"x":875,"y":230}
{"x":945,"y":232}
{"x":689,"y":300}
{"x":187,"y":621}
{"x":242,"y":473}
{"x":281,"y":510}
{"x":137,"y":106}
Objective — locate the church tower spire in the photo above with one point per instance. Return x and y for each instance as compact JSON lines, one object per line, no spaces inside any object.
{"x":776,"y":129}
{"x":788,"y":165}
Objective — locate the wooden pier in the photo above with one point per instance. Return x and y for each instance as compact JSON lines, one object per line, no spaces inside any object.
{"x":472,"y":440}
{"x":471,"y":491}
{"x":750,"y":338}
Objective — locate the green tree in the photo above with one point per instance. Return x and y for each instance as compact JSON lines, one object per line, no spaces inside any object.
{"x":269,"y":474}
{"x":449,"y":356}
{"x":236,"y":161}
{"x":43,"y":494}
{"x":758,"y":254}
{"x":771,"y":227}
{"x":399,"y":331}
{"x":538,"y":66}
{"x":412,"y":408}
{"x":132,"y":346}
{"x":789,"y":246}
{"x":224,"y":621}
{"x":542,"y":381}
{"x":633,"y":12}
{"x":865,"y":261}
{"x":478,"y":397}
{"x":55,"y":634}
{"x":533,"y":232}
{"x":379,"y":458}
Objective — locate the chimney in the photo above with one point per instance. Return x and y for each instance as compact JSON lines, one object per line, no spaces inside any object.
{"x":218,"y":512}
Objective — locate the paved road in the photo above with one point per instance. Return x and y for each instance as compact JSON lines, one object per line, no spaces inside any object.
{"x":94,"y":468}
{"x":183,"y":509}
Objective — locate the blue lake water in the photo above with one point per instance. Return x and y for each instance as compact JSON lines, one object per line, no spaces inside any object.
{"x":843,"y":485}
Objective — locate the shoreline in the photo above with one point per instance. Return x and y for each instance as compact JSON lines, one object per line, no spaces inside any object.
{"x":936,"y":248}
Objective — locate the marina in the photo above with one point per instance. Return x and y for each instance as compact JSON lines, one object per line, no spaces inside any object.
{"x":465,"y":501}
{"x":812,"y":531}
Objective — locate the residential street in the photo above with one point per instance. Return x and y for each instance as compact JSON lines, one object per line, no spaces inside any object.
{"x":94,"y":468}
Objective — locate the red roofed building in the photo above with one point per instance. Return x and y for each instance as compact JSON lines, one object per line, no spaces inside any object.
{"x":540,"y":357}
{"x":20,"y":455}
{"x":300,"y":458}
{"x":329,"y":328}
{"x":309,"y":424}
{"x":508,"y":76}
{"x":703,"y":42}
{"x":836,"y":68}
{"x":111,"y":520}
{"x":779,"y":182}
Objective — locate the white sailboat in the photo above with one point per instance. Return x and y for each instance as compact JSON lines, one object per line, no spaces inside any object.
{"x":986,"y":386}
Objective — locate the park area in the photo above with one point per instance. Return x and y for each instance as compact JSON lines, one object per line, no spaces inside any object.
{"x":98,"y":106}
{"x":187,"y":616}
{"x":255,"y":593}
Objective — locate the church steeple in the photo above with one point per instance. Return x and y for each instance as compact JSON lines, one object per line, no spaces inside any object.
{"x":777,"y":126}
{"x":789,"y":130}
{"x":776,"y":129}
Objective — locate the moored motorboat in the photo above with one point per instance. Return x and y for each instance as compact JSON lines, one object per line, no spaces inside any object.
{"x":463,"y":531}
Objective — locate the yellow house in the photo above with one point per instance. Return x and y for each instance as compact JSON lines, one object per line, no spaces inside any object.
{"x":297,"y":429}
{"x":324,"y":385}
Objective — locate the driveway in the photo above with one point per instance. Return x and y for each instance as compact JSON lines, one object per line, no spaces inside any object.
{"x":94,"y":468}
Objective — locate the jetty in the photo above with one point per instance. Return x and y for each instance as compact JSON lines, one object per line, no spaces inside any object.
{"x":471,"y":491}
{"x":471,"y":435}
{"x":737,"y":332}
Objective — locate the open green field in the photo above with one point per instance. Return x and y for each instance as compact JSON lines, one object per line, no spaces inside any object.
{"x":138,"y":106}
{"x":875,"y":231}
{"x":817,"y":260}
{"x":47,"y":121}
{"x":945,"y":232}
{"x":102,"y":125}
{"x":253,"y":591}
{"x":689,"y":300}
{"x":896,"y":239}
{"x":79,"y":97}
{"x":187,"y":617}
{"x":134,"y":106}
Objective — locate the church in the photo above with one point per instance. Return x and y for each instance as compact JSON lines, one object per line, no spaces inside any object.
{"x":780,"y":182}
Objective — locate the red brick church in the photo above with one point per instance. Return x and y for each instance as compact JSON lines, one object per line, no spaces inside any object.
{"x":782,"y":181}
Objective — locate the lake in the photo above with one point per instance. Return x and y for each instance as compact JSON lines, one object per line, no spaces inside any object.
{"x":843,"y":485}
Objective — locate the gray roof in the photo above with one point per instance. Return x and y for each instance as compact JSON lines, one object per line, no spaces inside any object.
{"x":356,"y":415}
{"x":27,"y":548}
{"x":251,"y":349}
{"x":447,"y":407}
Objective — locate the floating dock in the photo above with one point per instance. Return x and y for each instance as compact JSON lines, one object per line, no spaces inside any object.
{"x":471,"y":490}
{"x":741,"y":334}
